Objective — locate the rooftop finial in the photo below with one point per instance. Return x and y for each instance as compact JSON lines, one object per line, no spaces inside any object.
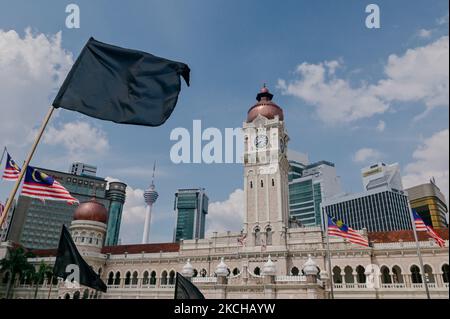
{"x":153,"y":174}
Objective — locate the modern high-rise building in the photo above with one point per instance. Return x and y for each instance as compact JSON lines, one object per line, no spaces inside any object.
{"x":317,"y":181}
{"x":428,"y":201}
{"x":191,"y":207}
{"x":116,"y":196}
{"x":82,"y":169}
{"x":383,"y":206}
{"x":37,"y":224}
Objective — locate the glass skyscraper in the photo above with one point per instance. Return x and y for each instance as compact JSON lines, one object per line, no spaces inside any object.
{"x":308,"y":186}
{"x":191,"y":207}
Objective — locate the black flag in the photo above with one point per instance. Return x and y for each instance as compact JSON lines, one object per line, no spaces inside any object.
{"x":122,"y":85}
{"x":69,"y":255}
{"x":184,"y":289}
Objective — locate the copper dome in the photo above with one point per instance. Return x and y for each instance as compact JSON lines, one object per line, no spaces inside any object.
{"x":91,"y":210}
{"x":265,"y":106}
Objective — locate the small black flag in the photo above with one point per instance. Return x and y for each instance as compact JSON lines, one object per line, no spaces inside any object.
{"x":122,"y":85}
{"x":184,"y":289}
{"x":69,"y":255}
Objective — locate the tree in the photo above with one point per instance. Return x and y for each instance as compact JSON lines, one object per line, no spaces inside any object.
{"x":16,"y":263}
{"x":38,"y":276}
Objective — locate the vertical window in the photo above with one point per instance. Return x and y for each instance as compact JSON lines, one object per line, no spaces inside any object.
{"x":262,"y":183}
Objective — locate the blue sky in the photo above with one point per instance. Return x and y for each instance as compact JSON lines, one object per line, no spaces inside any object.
{"x":232,"y":48}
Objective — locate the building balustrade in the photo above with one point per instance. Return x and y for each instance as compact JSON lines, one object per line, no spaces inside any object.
{"x":290,"y":279}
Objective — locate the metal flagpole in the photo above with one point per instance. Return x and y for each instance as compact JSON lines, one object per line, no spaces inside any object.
{"x":50,"y":289}
{"x":422,"y":270}
{"x":3,"y":154}
{"x":330,"y":275}
{"x":25,"y":165}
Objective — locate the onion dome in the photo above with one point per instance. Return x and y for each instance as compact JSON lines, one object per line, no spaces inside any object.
{"x":91,"y":210}
{"x":269,"y":268}
{"x":265,"y":107}
{"x":222,"y":269}
{"x":150,"y":195}
{"x":188,"y":269}
{"x":310,"y":267}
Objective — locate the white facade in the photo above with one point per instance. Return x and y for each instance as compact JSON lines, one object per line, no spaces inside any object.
{"x":380,"y":174}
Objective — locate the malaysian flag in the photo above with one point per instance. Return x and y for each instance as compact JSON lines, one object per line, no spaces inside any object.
{"x":40,"y":185}
{"x":12,"y":170}
{"x":339,"y":229}
{"x":421,"y":226}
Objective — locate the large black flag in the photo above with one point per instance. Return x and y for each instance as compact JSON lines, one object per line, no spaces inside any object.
{"x":184,"y":289}
{"x":122,"y":85}
{"x":69,"y":255}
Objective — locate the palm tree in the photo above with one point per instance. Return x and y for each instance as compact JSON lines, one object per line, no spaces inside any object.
{"x":38,"y":276}
{"x":16,"y":263}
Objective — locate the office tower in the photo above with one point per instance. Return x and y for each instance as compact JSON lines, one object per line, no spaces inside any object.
{"x":428,"y":201}
{"x":382,"y":206}
{"x":317,"y":182}
{"x":116,"y":194}
{"x":191,"y":207}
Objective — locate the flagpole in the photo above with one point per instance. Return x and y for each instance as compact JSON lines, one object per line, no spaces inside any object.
{"x":50,"y":289}
{"x":418,"y":252}
{"x":3,"y":154}
{"x":25,"y":165}
{"x":330,"y":275}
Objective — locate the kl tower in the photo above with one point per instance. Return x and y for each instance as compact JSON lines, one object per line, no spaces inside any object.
{"x":150,"y":197}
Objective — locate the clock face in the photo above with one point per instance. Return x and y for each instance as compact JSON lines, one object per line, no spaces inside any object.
{"x":261,"y":141}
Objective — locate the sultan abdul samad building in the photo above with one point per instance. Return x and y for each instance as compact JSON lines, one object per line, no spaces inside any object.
{"x":278,"y":260}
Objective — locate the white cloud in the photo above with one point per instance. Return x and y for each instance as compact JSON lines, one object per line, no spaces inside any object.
{"x":442,"y":20}
{"x":80,"y":139}
{"x":419,"y":75}
{"x":431,"y":159}
{"x":365,"y":155}
{"x":424,"y":33}
{"x":335,"y":99}
{"x":381,"y":126}
{"x":226,"y":215}
{"x":32,"y":68}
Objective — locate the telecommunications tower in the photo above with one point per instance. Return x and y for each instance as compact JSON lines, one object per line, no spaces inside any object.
{"x":150,"y":197}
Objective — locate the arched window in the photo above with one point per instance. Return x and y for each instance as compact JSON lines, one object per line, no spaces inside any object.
{"x":195,"y":273}
{"x":429,"y":273}
{"x":295,"y":271}
{"x":134,"y":280}
{"x":66,"y":296}
{"x":91,"y":238}
{"x":117,"y":279}
{"x":236,"y":271}
{"x":385,"y":275}
{"x":145,"y":279}
{"x":360,"y":274}
{"x":127,"y":278}
{"x":251,"y":184}
{"x":86,"y":294}
{"x":268,"y":236}
{"x":110,"y":278}
{"x":337,"y":277}
{"x":262,"y":183}
{"x":348,"y":274}
{"x":416,"y":277}
{"x":257,"y":237}
{"x":76,"y":295}
{"x":273,"y":182}
{"x":257,"y":271}
{"x":172,"y":278}
{"x":397,"y":276}
{"x":203,"y":272}
{"x":153,"y":278}
{"x":164,"y":278}
{"x":445,"y":272}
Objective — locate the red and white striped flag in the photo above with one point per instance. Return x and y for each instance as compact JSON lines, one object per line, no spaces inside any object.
{"x":339,"y":229}
{"x":39,"y":185}
{"x":421,"y":226}
{"x":12,"y":170}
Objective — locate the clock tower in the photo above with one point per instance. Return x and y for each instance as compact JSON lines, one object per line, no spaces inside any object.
{"x":266,"y":171}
